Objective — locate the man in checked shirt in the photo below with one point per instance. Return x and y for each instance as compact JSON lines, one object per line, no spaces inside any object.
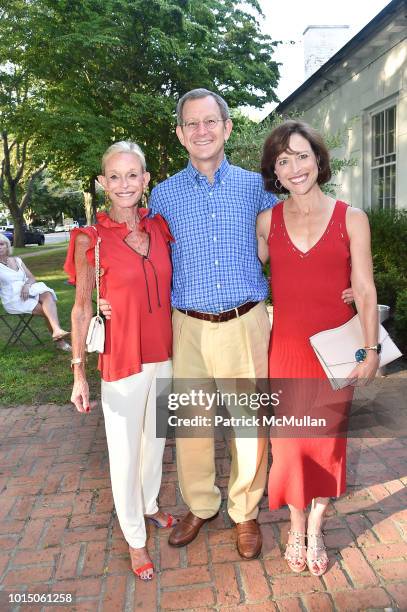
{"x":220,"y":322}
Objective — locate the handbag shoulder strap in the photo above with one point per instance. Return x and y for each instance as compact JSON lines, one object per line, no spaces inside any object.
{"x":97,"y":271}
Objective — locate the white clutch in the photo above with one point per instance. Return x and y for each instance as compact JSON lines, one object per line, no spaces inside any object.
{"x":336,"y":348}
{"x":95,"y":339}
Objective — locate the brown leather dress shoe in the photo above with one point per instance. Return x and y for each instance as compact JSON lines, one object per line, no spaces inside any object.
{"x":187,"y":530}
{"x":248,"y":539}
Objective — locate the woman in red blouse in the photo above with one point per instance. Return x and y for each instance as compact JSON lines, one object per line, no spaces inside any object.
{"x":136,"y":280}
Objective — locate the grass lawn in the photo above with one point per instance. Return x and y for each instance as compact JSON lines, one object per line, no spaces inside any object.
{"x":42,"y":374}
{"x":34,"y":248}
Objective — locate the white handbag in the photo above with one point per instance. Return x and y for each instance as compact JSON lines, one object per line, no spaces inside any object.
{"x":95,"y":339}
{"x":336,"y":350}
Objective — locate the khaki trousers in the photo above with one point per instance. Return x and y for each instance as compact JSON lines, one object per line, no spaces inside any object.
{"x":234,"y":349}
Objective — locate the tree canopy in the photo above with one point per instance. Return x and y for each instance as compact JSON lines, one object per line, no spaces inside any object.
{"x":77,"y":75}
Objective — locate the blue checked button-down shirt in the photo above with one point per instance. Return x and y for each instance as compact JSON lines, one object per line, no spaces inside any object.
{"x":214,"y":256}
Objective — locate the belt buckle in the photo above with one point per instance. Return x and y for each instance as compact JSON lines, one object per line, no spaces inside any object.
{"x":214,"y":318}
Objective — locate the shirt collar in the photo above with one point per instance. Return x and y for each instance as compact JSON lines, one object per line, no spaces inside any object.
{"x":220,"y":173}
{"x":104,"y":220}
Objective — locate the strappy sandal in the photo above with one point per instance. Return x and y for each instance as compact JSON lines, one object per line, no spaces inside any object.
{"x":315,"y":554}
{"x":293,"y":554}
{"x":171,"y":521}
{"x":143,"y":568}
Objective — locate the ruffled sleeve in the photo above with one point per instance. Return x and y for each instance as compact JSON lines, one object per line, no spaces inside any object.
{"x":160,"y":223}
{"x":164,"y":229}
{"x":69,"y":265}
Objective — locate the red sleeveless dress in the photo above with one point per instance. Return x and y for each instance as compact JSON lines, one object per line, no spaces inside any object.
{"x":306,"y":294}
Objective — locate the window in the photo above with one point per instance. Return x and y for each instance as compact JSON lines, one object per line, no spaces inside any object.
{"x":384,"y":159}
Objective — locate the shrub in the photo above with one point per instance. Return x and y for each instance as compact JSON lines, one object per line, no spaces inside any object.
{"x":389,"y":241}
{"x":388,"y":285}
{"x":389,"y":248}
{"x":400,"y":320}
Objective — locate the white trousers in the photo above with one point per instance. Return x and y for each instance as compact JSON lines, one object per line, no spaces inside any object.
{"x":135,"y":454}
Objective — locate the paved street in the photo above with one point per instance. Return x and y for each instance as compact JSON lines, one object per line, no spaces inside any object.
{"x":57,"y":237}
{"x":59,"y":534}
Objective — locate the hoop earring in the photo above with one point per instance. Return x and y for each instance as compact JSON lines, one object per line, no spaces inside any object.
{"x":278,"y":187}
{"x":144,"y":200}
{"x":318,"y":163}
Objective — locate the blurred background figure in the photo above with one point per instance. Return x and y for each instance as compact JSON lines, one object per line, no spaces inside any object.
{"x":20,"y":293}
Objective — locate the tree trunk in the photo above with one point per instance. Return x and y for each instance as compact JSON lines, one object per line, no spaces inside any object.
{"x":17,"y":215}
{"x":9,"y":184}
{"x":164,"y":165}
{"x":18,"y":239}
{"x":87,"y":197}
{"x":92,"y":190}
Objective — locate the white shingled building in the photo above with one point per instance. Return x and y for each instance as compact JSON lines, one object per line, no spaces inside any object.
{"x":362,"y":91}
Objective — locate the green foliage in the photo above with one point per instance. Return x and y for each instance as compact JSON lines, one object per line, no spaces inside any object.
{"x":246,"y":146}
{"x":49,"y":199}
{"x":389,"y":248}
{"x":388,"y":284}
{"x":400,"y":320}
{"x":96,"y":71}
{"x":389,"y":240}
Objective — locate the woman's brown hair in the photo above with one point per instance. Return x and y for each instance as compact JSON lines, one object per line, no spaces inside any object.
{"x":278,"y":142}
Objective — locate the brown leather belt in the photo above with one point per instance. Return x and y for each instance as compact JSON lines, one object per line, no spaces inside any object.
{"x":222,"y":317}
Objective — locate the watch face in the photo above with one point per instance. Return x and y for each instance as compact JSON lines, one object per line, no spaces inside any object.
{"x":360,"y":355}
{"x":379,"y":348}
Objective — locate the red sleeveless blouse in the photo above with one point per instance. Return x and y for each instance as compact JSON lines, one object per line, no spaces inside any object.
{"x":138,"y":289}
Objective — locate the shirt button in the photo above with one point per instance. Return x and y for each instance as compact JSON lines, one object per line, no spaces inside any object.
{"x":218,"y":286}
{"x":216,"y":262}
{"x":213,"y":215}
{"x":210,"y":193}
{"x":214,"y":238}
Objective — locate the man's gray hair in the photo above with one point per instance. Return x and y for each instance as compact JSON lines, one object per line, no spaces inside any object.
{"x":196,"y":94}
{"x":124,"y":146}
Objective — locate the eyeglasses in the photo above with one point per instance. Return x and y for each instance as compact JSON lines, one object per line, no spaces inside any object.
{"x":209,"y":124}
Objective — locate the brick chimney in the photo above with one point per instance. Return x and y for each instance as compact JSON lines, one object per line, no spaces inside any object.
{"x":320,"y":43}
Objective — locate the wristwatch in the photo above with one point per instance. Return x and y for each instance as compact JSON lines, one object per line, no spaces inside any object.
{"x":361,"y":353}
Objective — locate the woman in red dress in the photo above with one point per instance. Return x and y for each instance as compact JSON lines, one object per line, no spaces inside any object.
{"x":136,"y":264}
{"x":317,"y":246}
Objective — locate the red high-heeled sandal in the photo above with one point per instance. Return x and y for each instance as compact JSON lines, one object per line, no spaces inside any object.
{"x":171,"y":521}
{"x":142,"y":568}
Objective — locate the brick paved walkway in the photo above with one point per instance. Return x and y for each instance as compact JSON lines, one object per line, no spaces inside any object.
{"x":58,"y":533}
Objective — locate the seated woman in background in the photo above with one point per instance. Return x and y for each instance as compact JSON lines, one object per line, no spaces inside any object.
{"x":20,"y":293}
